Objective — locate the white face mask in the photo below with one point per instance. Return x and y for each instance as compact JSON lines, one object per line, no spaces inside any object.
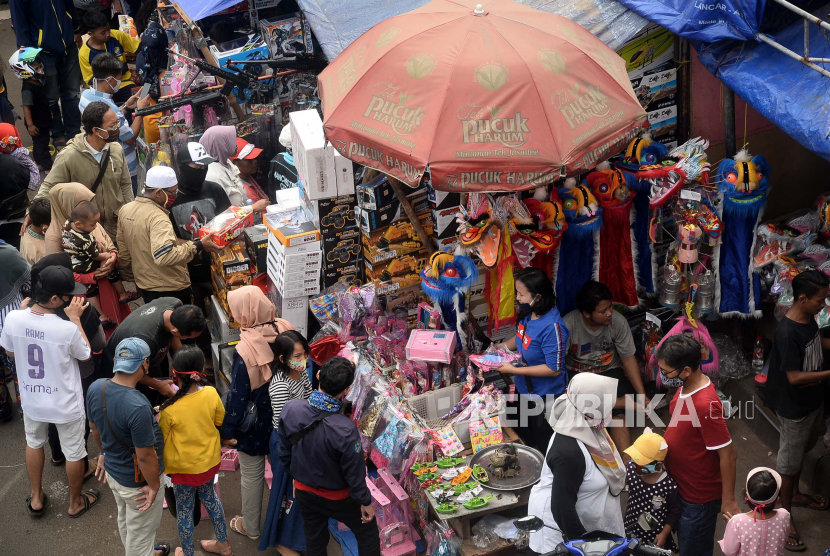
{"x":108,"y":81}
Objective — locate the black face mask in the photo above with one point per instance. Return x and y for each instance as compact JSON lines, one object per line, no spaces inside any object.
{"x":524,"y":308}
{"x":191,"y":179}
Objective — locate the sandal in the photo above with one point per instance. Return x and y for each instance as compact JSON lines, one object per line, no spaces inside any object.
{"x":801,"y":547}
{"x":236,"y":527}
{"x":95,"y":494}
{"x":814,"y":499}
{"x":164,"y":547}
{"x":34,"y":512}
{"x":205,"y":545}
{"x":131,"y":296}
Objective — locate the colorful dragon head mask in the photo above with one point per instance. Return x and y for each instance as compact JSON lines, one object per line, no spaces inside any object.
{"x":667,"y":176}
{"x":640,"y":148}
{"x":447,"y":276}
{"x":744,"y":175}
{"x":609,"y":185}
{"x":580,"y":206}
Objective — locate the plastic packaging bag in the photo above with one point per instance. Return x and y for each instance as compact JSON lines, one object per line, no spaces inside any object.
{"x":484,"y":537}
{"x":442,"y":540}
{"x":732,"y":363}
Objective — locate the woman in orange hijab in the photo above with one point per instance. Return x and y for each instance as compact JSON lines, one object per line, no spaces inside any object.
{"x":251,"y":375}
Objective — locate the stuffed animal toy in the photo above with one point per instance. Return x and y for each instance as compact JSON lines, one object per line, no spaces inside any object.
{"x":642,"y":151}
{"x":446,"y":281}
{"x":578,"y":259}
{"x":743,"y":184}
{"x":616,"y":255}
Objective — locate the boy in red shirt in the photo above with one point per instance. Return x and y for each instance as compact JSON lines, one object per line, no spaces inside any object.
{"x":701,"y":455}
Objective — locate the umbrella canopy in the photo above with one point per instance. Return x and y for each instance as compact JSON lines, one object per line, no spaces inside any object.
{"x":494,"y":96}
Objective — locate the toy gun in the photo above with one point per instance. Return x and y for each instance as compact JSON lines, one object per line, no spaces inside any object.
{"x":242,"y":79}
{"x":299,"y":63}
{"x":194,"y":99}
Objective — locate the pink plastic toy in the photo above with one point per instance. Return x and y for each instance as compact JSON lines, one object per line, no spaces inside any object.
{"x":431,"y":345}
{"x":230,"y":460}
{"x":400,"y":506}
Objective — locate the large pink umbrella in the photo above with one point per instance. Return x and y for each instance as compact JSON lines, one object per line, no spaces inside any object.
{"x":494,"y":96}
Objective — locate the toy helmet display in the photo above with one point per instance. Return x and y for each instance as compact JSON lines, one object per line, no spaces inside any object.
{"x":21,"y":63}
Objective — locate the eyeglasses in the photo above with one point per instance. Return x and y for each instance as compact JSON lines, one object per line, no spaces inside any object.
{"x":668,"y":372}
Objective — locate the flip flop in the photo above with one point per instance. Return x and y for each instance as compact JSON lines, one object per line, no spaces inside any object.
{"x":131,"y":297}
{"x":34,"y":512}
{"x":95,"y":494}
{"x":813,"y":500}
{"x":235,"y":527}
{"x":797,"y":548}
{"x":164,"y":547}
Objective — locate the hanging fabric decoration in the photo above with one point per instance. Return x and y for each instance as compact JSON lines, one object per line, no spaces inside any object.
{"x":480,"y":227}
{"x":499,"y":290}
{"x":578,"y":254}
{"x":642,"y":151}
{"x":616,"y":256}
{"x":743,"y":184}
{"x":446,"y":280}
{"x":551,"y":217}
{"x":708,"y":350}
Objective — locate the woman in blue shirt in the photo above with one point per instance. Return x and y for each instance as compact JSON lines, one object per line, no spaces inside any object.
{"x":541,"y":340}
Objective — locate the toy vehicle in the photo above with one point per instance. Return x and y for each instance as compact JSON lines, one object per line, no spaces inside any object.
{"x":417,"y":466}
{"x":399,"y":267}
{"x":428,"y":482}
{"x":478,"y":502}
{"x":437,"y":486}
{"x":344,"y":250}
{"x":338,"y":216}
{"x":446,"y":463}
{"x":400,"y":232}
{"x":595,"y":543}
{"x":462,"y":477}
{"x":461,"y":489}
{"x":480,"y":474}
{"x":425,"y":471}
{"x":445,"y":505}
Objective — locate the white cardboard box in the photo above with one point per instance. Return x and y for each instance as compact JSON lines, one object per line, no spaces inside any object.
{"x":339,"y":171}
{"x":308,"y":144}
{"x":294,"y":310}
{"x":220,"y":328}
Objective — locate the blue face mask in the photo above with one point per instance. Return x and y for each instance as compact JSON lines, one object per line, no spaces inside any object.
{"x":651,"y":468}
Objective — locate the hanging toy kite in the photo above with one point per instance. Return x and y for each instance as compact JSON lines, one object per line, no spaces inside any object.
{"x":578,"y":254}
{"x":616,"y":256}
{"x":642,"y":151}
{"x":446,"y":281}
{"x":743,"y":184}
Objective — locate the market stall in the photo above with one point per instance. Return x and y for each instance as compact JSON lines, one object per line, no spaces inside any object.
{"x":443,"y":150}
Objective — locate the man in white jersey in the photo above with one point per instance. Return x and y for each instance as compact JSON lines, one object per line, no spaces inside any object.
{"x":46,"y":350}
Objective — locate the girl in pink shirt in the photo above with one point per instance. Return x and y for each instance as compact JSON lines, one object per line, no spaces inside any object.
{"x":762,"y":531}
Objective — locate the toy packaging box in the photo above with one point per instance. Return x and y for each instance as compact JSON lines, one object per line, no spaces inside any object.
{"x":228,"y":225}
{"x":398,"y":239}
{"x":256,"y":243}
{"x":372,"y":219}
{"x":446,"y":223}
{"x":286,"y":36}
{"x":397,"y":273}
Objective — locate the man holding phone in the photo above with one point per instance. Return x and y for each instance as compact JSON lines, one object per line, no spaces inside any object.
{"x":107,"y":71}
{"x":131,"y":444}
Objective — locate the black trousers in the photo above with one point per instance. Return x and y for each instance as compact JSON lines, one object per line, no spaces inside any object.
{"x":316,"y":513}
{"x":536,"y":431}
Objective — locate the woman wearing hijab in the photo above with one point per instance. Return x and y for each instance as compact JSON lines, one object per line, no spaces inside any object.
{"x":251,"y":374}
{"x":63,"y":198}
{"x":220,"y":143}
{"x":583,"y":474}
{"x":89,"y":368}
{"x":13,"y":279}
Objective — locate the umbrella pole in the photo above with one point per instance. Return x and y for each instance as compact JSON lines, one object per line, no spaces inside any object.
{"x":410,"y":212}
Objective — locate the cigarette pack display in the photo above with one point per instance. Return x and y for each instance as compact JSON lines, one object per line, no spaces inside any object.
{"x":309,"y":149}
{"x":228,"y":225}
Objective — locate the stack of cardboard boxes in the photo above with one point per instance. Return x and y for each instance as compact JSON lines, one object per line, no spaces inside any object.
{"x":445,"y":208}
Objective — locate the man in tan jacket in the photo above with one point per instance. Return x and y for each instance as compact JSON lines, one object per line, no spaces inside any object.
{"x":148,"y":250}
{"x":92,"y":152}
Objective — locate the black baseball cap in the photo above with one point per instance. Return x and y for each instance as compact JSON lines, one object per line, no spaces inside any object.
{"x":193,"y":152}
{"x":59,"y":280}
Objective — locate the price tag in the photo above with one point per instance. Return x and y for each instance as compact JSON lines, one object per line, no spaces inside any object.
{"x":651,"y":318}
{"x":689,"y":195}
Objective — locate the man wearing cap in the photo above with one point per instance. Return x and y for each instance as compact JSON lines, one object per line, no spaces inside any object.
{"x":651,"y":492}
{"x":245,"y":160}
{"x":149,"y":251}
{"x":131,"y":447}
{"x":48,"y":349}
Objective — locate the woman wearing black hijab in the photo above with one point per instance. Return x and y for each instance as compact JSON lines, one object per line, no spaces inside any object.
{"x":89,"y":369}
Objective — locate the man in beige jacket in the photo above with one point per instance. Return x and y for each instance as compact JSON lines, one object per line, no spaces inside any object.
{"x":92,"y":152}
{"x":148,"y":250}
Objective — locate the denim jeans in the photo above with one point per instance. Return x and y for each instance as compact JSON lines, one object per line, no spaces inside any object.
{"x":696,"y":531}
{"x":63,"y":83}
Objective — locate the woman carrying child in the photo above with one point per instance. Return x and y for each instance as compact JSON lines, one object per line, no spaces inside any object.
{"x":283,"y":526}
{"x":189,"y":422}
{"x":763,"y":530}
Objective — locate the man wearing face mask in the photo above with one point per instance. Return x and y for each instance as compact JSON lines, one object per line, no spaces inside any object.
{"x":95,"y":159}
{"x":701,"y":456}
{"x":149,"y":251}
{"x":131,"y":447}
{"x":107,"y":73}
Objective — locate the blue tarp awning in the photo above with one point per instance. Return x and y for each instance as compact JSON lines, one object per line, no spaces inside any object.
{"x":198,"y":9}
{"x":337,"y":23}
{"x":786,"y":92}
